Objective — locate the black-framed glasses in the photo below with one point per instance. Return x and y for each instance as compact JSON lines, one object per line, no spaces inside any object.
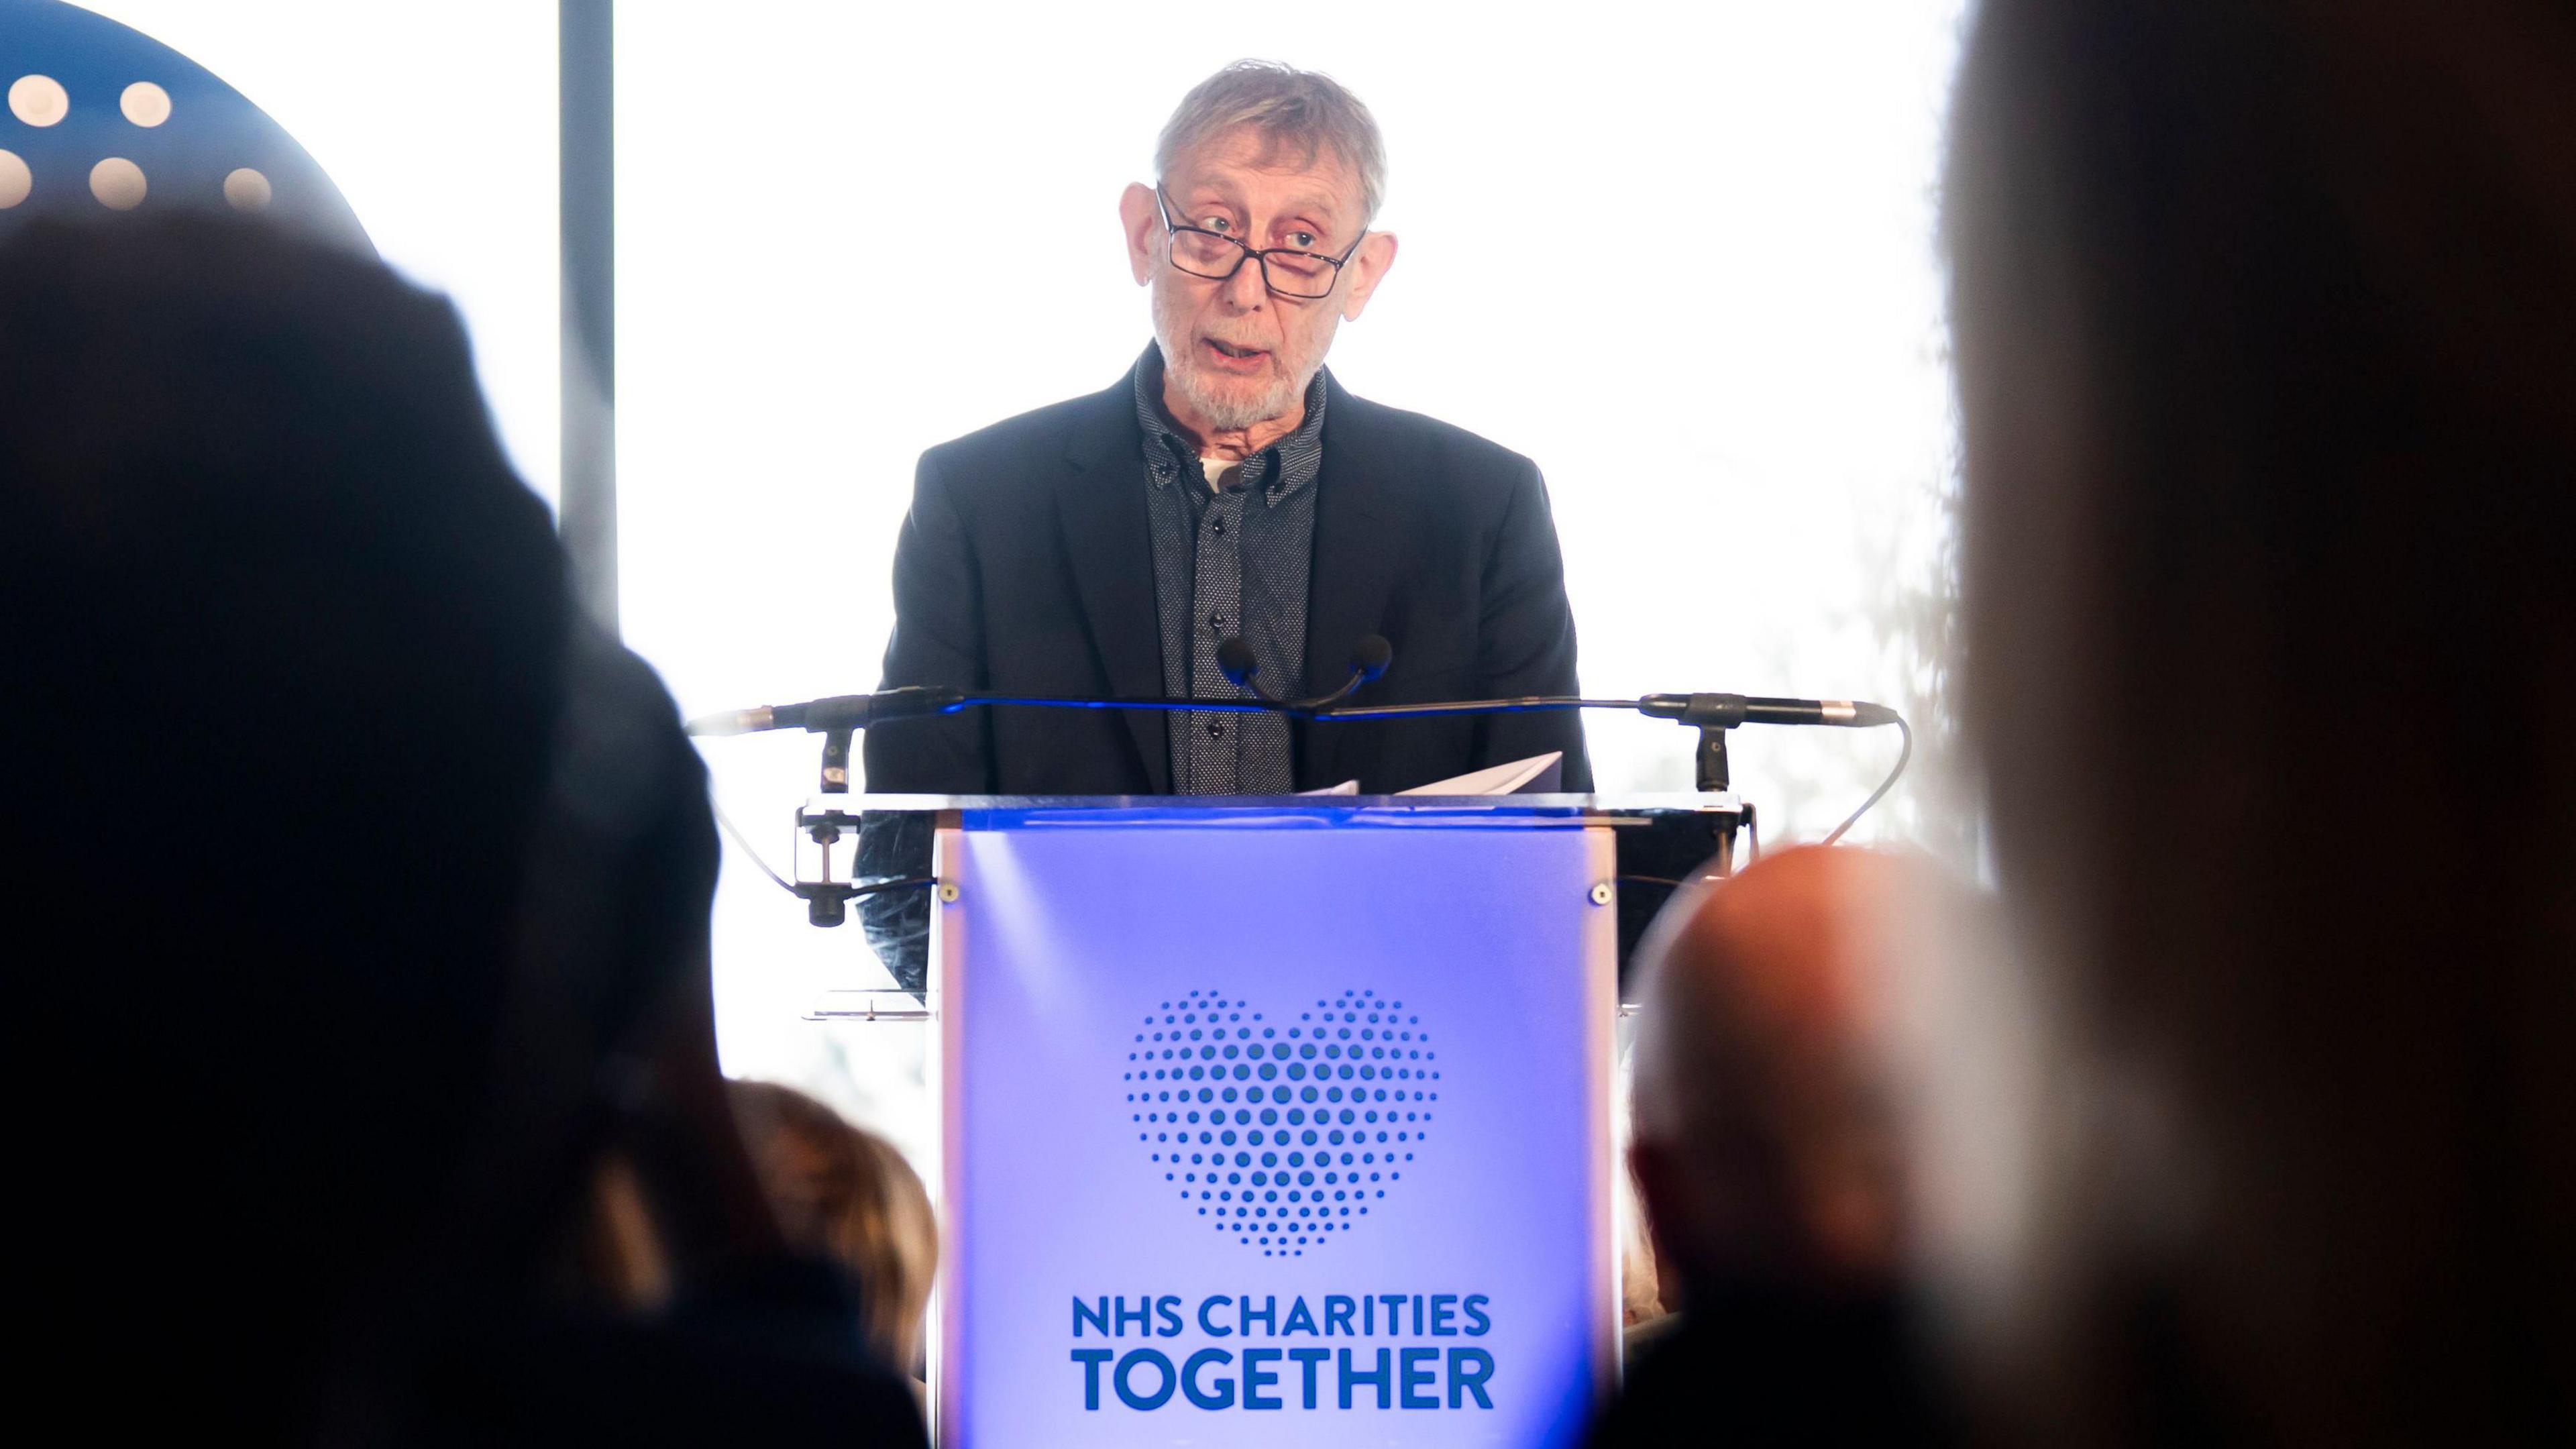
{"x":1307,"y":276}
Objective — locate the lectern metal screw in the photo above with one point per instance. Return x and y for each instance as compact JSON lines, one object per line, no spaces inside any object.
{"x":1601,"y":893}
{"x":948,"y":891}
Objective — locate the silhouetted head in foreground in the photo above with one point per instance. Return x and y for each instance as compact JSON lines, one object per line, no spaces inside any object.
{"x":2266,"y":327}
{"x":286,"y":644}
{"x":361,"y":890}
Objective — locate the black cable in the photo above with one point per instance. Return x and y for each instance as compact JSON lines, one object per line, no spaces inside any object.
{"x":1323,"y":711}
{"x":739,"y":839}
{"x":1902,"y":756}
{"x":875,"y":886}
{"x":1166,"y":706}
{"x":1518,"y":704}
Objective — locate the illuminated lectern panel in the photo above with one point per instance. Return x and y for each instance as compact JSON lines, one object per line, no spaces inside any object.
{"x":1275,"y":1125}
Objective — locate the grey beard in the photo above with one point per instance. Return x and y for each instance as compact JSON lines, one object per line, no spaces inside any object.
{"x":1232,"y":414}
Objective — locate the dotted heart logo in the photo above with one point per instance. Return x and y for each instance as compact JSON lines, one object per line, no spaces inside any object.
{"x":1282,"y":1133}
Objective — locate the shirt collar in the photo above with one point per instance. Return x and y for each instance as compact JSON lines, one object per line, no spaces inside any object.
{"x":1169,"y":454}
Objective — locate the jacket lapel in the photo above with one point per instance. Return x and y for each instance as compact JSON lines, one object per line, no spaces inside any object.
{"x":1100,"y":504}
{"x":1354,"y":573}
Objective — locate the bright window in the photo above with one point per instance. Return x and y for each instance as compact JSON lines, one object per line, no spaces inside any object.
{"x":438,"y":125}
{"x":846,"y":233}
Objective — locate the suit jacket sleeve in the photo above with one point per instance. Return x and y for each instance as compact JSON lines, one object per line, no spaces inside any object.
{"x":938,"y":639}
{"x":1525,"y":642}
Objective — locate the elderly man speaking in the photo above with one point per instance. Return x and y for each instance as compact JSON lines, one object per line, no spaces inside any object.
{"x":1229,"y":488}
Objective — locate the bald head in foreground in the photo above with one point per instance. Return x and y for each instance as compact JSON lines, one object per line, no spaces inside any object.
{"x":1767,"y":1153}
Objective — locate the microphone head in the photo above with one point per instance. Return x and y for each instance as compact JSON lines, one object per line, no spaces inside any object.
{"x":1372,"y":655}
{"x":1234,"y":659}
{"x":732,"y":722}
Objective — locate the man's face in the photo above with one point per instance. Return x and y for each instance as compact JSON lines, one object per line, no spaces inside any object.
{"x":1236,"y":354}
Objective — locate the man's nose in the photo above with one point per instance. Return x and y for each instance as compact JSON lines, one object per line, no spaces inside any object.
{"x":1246,"y":290}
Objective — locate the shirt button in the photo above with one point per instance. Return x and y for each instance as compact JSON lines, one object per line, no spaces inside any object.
{"x":1216,"y":621}
{"x":1216,"y":729}
{"x":1216,"y":525}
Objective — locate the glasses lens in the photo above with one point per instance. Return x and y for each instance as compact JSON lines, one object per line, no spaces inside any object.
{"x":1299,"y":274}
{"x":1205,"y":254}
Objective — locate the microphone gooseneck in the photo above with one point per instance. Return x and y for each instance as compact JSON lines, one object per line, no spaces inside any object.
{"x":838,"y":716}
{"x":1236,"y":661}
{"x":1369,"y":659}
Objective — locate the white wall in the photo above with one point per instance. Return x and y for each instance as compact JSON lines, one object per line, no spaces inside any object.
{"x":849,"y":232}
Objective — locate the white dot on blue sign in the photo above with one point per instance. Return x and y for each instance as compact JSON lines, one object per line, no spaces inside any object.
{"x":144,"y":103}
{"x":246,"y":190}
{"x":117,"y":183}
{"x":39,"y":100}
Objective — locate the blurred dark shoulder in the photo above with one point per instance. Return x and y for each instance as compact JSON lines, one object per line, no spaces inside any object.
{"x":1759,"y":1368}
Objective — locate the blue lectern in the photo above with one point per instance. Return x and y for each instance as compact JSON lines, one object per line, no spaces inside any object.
{"x":1275,"y":1121}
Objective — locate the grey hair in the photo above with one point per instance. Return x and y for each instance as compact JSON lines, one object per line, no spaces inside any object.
{"x":1300,"y":112}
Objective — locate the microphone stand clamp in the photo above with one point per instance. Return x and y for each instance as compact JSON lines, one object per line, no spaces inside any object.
{"x":827,"y":901}
{"x":1712,"y":715}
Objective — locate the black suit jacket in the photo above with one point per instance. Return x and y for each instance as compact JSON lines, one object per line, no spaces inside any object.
{"x":1026,"y":565}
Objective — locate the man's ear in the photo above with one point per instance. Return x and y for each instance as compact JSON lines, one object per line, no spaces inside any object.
{"x":1142,"y":220}
{"x":1367,"y":267}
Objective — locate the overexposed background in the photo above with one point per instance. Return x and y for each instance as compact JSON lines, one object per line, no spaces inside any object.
{"x":437,"y":122}
{"x":847,"y":233}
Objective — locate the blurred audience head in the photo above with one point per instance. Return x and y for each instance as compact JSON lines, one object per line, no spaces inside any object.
{"x":2265,"y":315}
{"x":1772,"y":1151}
{"x":1766,"y":1130}
{"x":845,"y":1193}
{"x":358,"y":865}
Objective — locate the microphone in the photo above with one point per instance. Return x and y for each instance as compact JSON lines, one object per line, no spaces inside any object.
{"x":1726,"y":711}
{"x":1236,"y":661}
{"x":836,"y":717}
{"x":1369,"y":659}
{"x":837,"y":712}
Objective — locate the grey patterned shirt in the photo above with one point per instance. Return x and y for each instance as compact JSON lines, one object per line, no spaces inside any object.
{"x":1235,"y":562}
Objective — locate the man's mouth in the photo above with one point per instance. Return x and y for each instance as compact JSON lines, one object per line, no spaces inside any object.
{"x":1233,"y":357}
